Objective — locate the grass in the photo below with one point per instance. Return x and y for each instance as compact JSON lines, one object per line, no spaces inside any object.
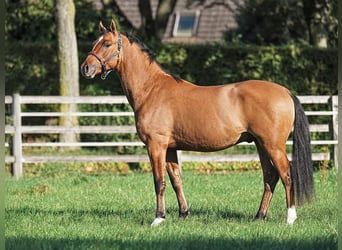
{"x":86,"y":211}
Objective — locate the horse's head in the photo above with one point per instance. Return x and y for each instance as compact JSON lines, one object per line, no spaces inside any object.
{"x":105,"y":55}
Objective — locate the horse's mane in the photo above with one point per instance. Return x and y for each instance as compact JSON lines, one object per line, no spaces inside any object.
{"x":144,"y":48}
{"x":148,"y":51}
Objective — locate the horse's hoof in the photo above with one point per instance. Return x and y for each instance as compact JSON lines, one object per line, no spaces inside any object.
{"x":290,"y":221}
{"x":260,"y":216}
{"x":157,"y":222}
{"x":184,"y":215}
{"x":256,"y":219}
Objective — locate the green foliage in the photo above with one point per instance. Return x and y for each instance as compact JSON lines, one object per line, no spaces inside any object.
{"x":304,"y":70}
{"x":34,"y":20}
{"x":265,"y":22}
{"x":268,"y":22}
{"x":30,"y":21}
{"x":31,"y":69}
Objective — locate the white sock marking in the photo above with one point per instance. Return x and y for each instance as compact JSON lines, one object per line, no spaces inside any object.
{"x":157,"y":222}
{"x":291,"y":215}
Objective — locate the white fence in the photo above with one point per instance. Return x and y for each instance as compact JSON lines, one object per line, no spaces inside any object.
{"x":16,"y":130}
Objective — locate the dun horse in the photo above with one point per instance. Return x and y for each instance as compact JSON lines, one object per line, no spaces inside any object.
{"x":172,"y":114}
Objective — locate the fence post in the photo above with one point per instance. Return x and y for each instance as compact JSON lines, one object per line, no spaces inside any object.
{"x":17,"y":170}
{"x":335,"y":127}
{"x":179,"y":158}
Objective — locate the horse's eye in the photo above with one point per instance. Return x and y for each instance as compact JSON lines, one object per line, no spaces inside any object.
{"x":107,"y":45}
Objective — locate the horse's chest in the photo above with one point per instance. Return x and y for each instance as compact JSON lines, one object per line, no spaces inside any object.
{"x":152,"y":127}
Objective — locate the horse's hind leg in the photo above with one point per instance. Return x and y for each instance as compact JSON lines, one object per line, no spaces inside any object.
{"x":176,"y":181}
{"x":281,"y":162}
{"x":271,"y":178}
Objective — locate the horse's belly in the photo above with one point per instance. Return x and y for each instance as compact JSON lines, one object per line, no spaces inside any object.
{"x":212,"y":140}
{"x":202,"y":147}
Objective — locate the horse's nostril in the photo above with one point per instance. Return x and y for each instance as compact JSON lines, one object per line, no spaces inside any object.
{"x":86,"y":68}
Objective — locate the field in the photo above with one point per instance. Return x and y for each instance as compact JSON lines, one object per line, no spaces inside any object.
{"x":64,"y":210}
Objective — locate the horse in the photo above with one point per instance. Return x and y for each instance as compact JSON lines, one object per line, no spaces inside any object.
{"x":173,"y":114}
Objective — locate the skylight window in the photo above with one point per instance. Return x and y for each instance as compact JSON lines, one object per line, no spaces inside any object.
{"x":186,"y":24}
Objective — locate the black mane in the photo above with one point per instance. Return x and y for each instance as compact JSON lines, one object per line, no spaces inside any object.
{"x":149,"y":52}
{"x":144,"y":48}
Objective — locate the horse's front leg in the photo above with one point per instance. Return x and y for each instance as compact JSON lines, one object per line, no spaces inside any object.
{"x":157,"y":154}
{"x":176,"y":181}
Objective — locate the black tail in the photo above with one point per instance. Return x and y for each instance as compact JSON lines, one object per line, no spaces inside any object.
{"x":301,"y":168}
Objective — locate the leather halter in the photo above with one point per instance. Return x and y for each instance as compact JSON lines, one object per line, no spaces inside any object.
{"x":104,"y":71}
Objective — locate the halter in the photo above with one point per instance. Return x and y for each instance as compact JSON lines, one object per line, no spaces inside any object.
{"x":104,"y":71}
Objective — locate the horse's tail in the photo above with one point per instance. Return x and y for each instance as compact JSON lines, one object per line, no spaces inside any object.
{"x":301,"y":168}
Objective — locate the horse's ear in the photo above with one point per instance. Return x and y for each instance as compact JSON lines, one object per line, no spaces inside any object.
{"x":113,"y":26}
{"x":102,"y":28}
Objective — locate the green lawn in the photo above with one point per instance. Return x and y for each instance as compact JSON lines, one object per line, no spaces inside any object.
{"x":80,"y":211}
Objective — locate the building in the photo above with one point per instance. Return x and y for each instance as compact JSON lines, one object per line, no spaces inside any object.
{"x":192,"y":21}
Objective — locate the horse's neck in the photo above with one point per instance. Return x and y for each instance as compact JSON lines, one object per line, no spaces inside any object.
{"x":136,"y":72}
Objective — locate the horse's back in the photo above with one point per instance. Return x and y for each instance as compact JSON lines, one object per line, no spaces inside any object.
{"x":262,"y":88}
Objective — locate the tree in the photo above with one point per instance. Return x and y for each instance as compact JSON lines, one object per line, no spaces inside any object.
{"x":151,"y":26}
{"x":266,"y":22}
{"x":68,"y":63}
{"x":155,"y":27}
{"x":321,"y":20}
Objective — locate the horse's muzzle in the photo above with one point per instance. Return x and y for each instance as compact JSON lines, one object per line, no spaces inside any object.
{"x":87,"y":71}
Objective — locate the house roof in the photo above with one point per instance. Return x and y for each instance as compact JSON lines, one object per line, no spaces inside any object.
{"x":214,"y":18}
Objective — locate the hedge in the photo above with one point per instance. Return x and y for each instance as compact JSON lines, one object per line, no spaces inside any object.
{"x":32,"y":69}
{"x":305,"y":71}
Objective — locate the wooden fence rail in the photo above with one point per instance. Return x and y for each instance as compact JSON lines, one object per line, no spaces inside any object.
{"x":16,"y":131}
